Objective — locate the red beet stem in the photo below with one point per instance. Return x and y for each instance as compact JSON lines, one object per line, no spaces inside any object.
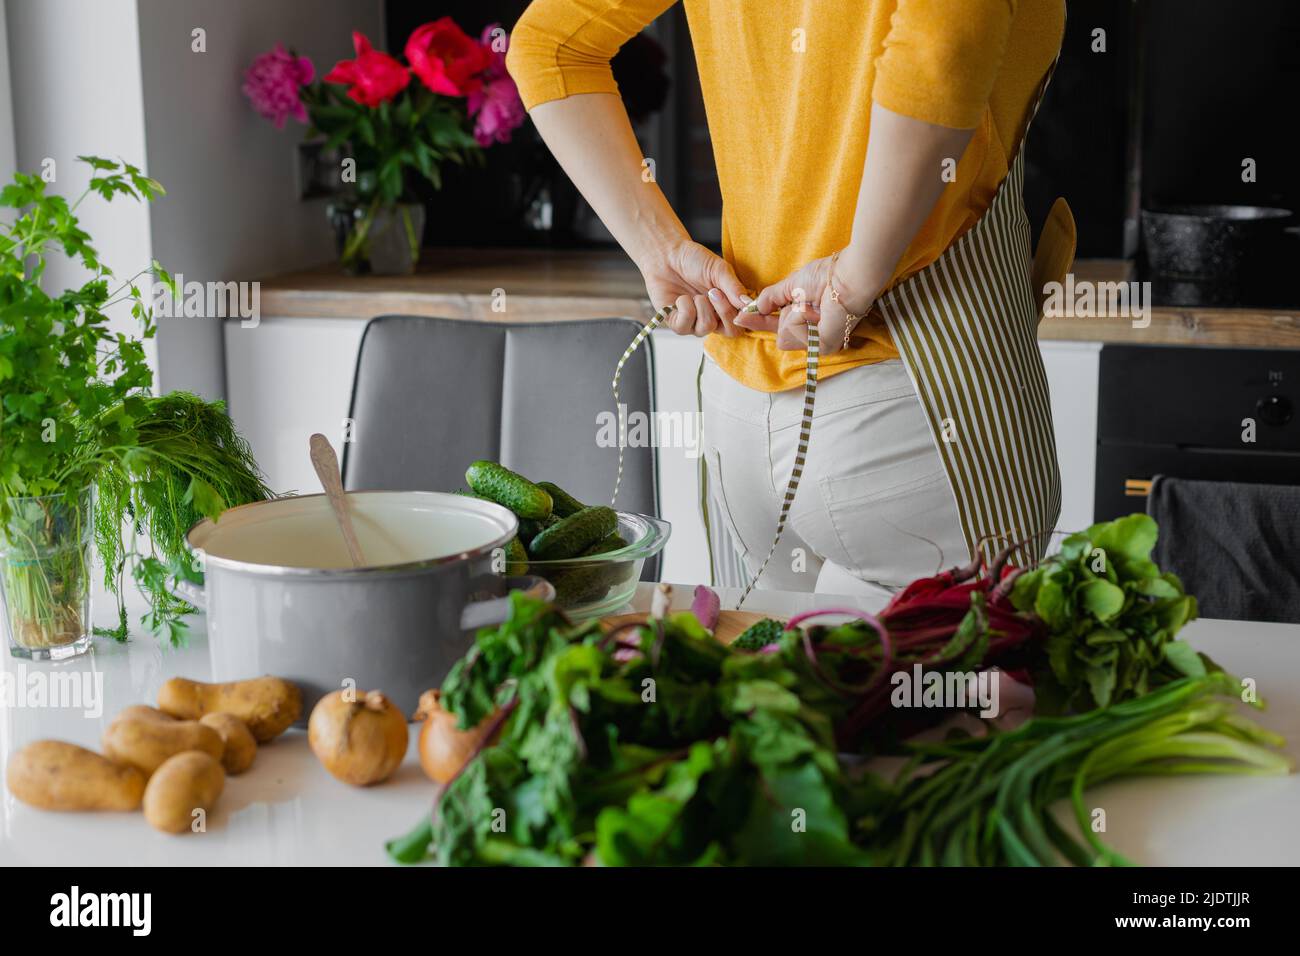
{"x":882,"y":633}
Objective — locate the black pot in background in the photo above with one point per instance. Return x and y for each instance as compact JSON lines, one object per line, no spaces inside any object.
{"x":1211,"y":242}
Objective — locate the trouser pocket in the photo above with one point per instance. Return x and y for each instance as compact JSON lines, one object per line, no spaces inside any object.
{"x":726,"y":544}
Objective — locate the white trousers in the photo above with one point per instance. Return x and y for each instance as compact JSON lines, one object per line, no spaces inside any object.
{"x":874,"y":510}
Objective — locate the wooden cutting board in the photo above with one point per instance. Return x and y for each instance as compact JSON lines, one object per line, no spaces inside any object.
{"x":731,"y":624}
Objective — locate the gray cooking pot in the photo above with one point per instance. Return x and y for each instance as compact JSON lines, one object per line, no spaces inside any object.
{"x":282,"y":597}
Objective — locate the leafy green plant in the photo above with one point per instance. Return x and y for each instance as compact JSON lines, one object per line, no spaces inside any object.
{"x":185,"y":463}
{"x":587,"y":763}
{"x":1112,"y":618}
{"x":411,"y":135}
{"x":60,"y":364}
{"x":77,"y":415}
{"x":658,"y":745}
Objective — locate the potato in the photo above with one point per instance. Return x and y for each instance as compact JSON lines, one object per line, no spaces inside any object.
{"x":241,"y":748}
{"x":187,"y":782}
{"x":53,"y":775}
{"x":143,"y":712}
{"x":146,"y":743}
{"x":268,"y":705}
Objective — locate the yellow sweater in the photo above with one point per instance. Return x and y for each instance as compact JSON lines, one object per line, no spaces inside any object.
{"x":788,"y":87}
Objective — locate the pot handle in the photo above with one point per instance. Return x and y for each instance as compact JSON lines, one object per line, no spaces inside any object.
{"x":494,"y":611}
{"x":193,"y":593}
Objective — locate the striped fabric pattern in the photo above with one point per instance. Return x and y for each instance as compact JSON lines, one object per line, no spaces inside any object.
{"x":656,"y":320}
{"x":966,"y":329}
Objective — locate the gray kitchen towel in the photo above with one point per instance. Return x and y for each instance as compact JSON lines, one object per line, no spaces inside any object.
{"x":1235,"y":546}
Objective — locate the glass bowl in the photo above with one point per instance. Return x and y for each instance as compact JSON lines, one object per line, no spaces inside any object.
{"x":603,"y":583}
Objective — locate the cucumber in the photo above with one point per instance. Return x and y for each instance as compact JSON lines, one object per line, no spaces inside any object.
{"x":516,"y":557}
{"x":581,"y":586}
{"x":563,"y":503}
{"x":529,"y":529}
{"x":574,"y":534}
{"x":585,"y":584}
{"x":606,"y":545}
{"x":505,"y":487}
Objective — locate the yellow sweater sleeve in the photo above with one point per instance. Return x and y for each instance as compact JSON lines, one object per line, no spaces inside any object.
{"x":563,"y":47}
{"x":941,"y":59}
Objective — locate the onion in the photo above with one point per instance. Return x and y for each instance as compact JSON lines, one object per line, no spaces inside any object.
{"x":360,"y":741}
{"x":444,"y":749}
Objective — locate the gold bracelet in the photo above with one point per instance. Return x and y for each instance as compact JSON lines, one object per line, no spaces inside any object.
{"x":852,"y":320}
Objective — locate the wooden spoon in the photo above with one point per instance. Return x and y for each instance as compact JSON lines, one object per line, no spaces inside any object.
{"x":326,"y":464}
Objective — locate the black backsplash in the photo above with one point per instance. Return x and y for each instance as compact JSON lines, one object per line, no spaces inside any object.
{"x":1221,"y":85}
{"x":1077,"y":145}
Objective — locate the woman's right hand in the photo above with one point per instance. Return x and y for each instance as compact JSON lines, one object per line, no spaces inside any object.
{"x":700,"y":285}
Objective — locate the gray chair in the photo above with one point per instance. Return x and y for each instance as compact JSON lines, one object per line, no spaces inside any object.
{"x":431,"y":395}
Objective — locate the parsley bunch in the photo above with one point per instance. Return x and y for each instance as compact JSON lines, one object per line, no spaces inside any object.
{"x":60,"y":363}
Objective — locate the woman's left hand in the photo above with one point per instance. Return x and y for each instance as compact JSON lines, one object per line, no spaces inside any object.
{"x":804,"y":297}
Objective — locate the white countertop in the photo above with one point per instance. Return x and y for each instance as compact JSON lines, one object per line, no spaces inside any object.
{"x":288,"y":810}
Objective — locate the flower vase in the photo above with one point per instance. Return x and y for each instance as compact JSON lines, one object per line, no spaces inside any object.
{"x":374,"y":239}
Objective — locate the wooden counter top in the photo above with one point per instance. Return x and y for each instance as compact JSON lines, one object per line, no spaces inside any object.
{"x":531,"y":285}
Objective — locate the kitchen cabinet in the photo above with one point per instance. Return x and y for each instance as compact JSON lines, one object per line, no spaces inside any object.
{"x":287,"y":378}
{"x":1072,"y":369}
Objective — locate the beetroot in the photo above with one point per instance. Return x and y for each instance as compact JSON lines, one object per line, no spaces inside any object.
{"x":960,"y":619}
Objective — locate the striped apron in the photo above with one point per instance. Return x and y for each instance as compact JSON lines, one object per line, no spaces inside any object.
{"x":966,"y":328}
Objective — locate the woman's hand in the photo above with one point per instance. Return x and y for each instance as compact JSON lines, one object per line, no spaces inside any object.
{"x":803,"y":298}
{"x":701,"y":286}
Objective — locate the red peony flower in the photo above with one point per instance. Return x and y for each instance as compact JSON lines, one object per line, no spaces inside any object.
{"x":446,"y":59}
{"x":374,"y":77}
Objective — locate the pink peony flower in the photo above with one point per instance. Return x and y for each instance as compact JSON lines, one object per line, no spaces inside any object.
{"x":498,"y":111}
{"x":496,"y":106}
{"x":273,"y":82}
{"x":496,"y":57}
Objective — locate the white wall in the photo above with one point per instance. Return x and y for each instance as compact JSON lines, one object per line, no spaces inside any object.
{"x":7,"y":156}
{"x":231,"y":210}
{"x":95,"y":107}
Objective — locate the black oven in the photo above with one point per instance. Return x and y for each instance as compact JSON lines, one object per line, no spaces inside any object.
{"x":1191,"y":412}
